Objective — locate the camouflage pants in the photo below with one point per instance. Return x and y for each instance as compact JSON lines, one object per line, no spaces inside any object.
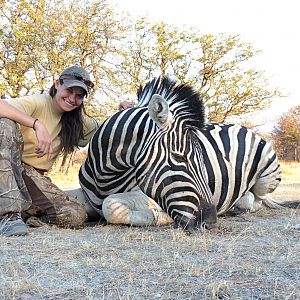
{"x":24,"y":189}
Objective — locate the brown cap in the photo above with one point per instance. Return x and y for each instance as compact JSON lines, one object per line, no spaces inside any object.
{"x":76,"y":76}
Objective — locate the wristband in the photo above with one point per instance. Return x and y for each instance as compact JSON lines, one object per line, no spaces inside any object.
{"x":34,"y":123}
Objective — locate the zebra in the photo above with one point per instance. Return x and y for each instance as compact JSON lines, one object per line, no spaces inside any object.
{"x":164,"y":150}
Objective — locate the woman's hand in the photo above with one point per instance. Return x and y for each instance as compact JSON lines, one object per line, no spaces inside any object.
{"x":44,"y":145}
{"x":125,"y":105}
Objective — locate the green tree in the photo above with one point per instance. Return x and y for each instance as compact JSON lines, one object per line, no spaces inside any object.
{"x":216,"y":65}
{"x":228,"y":85}
{"x":17,"y":42}
{"x":153,"y":50}
{"x":40,"y":38}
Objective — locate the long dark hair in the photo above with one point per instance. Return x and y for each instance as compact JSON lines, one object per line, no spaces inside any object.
{"x":71,"y":126}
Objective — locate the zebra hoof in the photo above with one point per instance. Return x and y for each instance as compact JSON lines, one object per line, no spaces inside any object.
{"x":297,"y":227}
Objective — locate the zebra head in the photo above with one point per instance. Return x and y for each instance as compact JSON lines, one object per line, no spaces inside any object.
{"x":170,"y":168}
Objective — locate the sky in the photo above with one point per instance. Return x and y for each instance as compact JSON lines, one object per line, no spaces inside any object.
{"x":270,"y":26}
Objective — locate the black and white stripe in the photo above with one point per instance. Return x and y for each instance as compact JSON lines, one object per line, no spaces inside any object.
{"x":189,"y":169}
{"x":235,"y":159}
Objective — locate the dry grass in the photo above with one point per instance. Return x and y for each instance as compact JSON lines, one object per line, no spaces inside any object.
{"x":289,"y":188}
{"x":249,"y":257}
{"x":69,"y":179}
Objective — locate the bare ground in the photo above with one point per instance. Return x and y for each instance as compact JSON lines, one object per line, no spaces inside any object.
{"x":253,"y":256}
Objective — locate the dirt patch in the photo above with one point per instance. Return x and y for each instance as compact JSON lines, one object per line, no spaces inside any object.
{"x":249,"y":257}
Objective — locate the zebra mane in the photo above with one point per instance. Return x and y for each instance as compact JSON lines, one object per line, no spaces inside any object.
{"x":184,"y":101}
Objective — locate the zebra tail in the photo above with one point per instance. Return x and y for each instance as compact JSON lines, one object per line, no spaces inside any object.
{"x":269,"y":202}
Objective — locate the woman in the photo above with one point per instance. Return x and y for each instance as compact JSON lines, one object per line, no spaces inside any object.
{"x":48,"y":125}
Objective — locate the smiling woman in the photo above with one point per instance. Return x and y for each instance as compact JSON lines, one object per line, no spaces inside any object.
{"x":67,"y":99}
{"x":48,"y":125}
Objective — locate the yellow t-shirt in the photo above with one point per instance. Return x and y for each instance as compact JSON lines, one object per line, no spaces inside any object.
{"x":40,"y":107}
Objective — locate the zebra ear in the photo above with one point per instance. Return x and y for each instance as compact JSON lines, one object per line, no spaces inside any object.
{"x":159,"y":111}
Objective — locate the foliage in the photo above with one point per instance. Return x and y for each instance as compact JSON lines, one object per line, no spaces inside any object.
{"x":39,"y":38}
{"x":216,"y":65}
{"x":286,"y":135}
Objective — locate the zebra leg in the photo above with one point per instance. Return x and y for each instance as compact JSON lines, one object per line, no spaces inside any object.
{"x":134,"y":208}
{"x":262,"y":188}
{"x":79,"y":195}
{"x":246,"y":203}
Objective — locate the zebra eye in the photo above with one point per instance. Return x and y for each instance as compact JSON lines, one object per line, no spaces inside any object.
{"x":179,"y":158}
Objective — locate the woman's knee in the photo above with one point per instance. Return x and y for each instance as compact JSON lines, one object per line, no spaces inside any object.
{"x":8,"y":127}
{"x":56,"y":206}
{"x":72,"y":216}
{"x":10,"y":136}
